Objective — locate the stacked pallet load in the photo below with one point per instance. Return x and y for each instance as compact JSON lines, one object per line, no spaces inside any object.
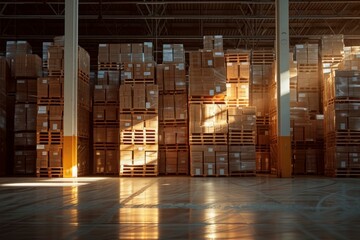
{"x":173,"y":117}
{"x":261,"y":84}
{"x":241,"y":122}
{"x":242,"y":139}
{"x":106,"y":111}
{"x":306,"y":117}
{"x":342,"y":120}
{"x":5,"y":85}
{"x":208,"y":126}
{"x":25,"y":68}
{"x":50,"y":114}
{"x":139,"y":123}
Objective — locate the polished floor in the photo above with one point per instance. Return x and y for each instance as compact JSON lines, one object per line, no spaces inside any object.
{"x":180,"y":208}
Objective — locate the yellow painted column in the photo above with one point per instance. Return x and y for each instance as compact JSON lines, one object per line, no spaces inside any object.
{"x":283,"y":88}
{"x":70,"y":88}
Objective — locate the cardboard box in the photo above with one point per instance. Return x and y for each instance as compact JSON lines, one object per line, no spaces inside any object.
{"x":103,"y":53}
{"x":139,"y":96}
{"x":152,"y":96}
{"x":168,"y":107}
{"x":126,"y":157}
{"x":196,"y":169}
{"x":181,"y":106}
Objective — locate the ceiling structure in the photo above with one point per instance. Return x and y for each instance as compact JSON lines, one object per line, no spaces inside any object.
{"x":243,"y":24}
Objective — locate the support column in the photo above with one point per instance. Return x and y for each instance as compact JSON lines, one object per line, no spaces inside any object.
{"x":283,"y":88}
{"x":70,"y":88}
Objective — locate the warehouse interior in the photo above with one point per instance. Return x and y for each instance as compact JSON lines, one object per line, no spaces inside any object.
{"x":164,"y":119}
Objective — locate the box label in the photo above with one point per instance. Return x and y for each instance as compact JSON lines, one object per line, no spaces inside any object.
{"x":40,"y":146}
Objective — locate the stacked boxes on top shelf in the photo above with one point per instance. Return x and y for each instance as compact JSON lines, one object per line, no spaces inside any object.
{"x":306,"y":117}
{"x":5,"y":87}
{"x":50,"y":114}
{"x":106,"y":110}
{"x":260,"y":88}
{"x":173,"y":117}
{"x":208,"y":123}
{"x":25,"y":68}
{"x":341,"y":114}
{"x":139,"y":97}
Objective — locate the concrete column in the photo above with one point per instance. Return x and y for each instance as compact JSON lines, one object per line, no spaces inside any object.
{"x":70,"y":88}
{"x":283,"y":88}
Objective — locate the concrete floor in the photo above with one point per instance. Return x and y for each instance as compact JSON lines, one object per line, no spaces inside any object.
{"x":180,"y":208}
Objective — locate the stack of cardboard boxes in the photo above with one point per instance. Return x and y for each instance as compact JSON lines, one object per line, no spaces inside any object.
{"x":173,"y":117}
{"x":106,"y":122}
{"x":5,"y":87}
{"x":242,"y":139}
{"x":50,"y":114}
{"x":341,"y":105}
{"x":262,"y":64}
{"x":25,"y":68}
{"x":305,"y":111}
{"x":241,"y":118}
{"x":139,"y":97}
{"x":208,"y":125}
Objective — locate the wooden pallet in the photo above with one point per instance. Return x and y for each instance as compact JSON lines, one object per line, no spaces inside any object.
{"x":138,"y":171}
{"x":218,"y":99}
{"x":173,"y":122}
{"x":263,"y":57}
{"x":139,"y":81}
{"x":83,"y":76}
{"x":343,"y":173}
{"x":176,"y":147}
{"x":247,"y":173}
{"x":238,"y":80}
{"x":50,"y":101}
{"x":146,"y":136}
{"x":108,"y":123}
{"x":56,"y":73}
{"x":208,"y":138}
{"x":138,"y":110}
{"x":51,"y":172}
{"x":242,"y":137}
{"x":263,"y":121}
{"x":237,"y":103}
{"x":172,"y":92}
{"x":110,"y":66}
{"x":331,"y":58}
{"x":49,"y":138}
{"x":343,"y":138}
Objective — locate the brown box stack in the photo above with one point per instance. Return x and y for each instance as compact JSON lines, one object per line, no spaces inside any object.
{"x":262,"y":90}
{"x":137,"y":63}
{"x":342,"y":123}
{"x":237,"y":77}
{"x":173,"y":117}
{"x":106,"y":117}
{"x":208,"y":123}
{"x":138,"y":122}
{"x":305,"y":108}
{"x":242,"y":140}
{"x":50,"y":114}
{"x":25,"y":68}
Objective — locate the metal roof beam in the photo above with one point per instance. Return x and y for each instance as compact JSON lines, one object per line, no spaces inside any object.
{"x":184,"y":17}
{"x":181,"y":2}
{"x":170,"y":37}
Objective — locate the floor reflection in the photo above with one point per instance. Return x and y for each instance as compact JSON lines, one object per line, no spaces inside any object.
{"x":179,"y":208}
